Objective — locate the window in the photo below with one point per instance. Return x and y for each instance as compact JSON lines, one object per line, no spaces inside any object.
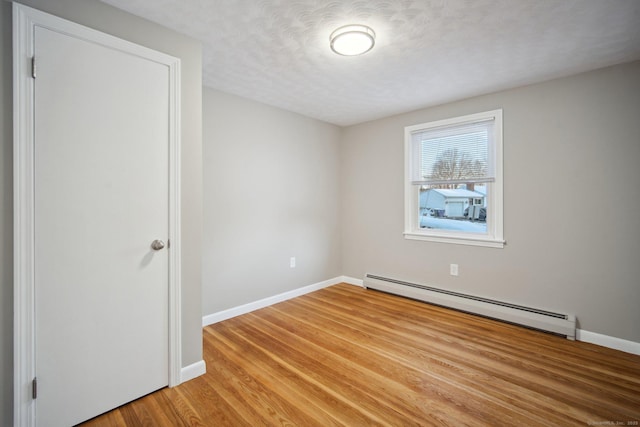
{"x":453,"y":180}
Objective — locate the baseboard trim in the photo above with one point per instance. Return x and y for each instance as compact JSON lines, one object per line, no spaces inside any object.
{"x":193,"y":371}
{"x":351,"y":281}
{"x":210,"y":319}
{"x":581,"y":335}
{"x":608,"y":341}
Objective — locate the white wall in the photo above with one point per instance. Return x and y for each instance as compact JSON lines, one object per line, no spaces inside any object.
{"x":113,"y":21}
{"x":271,"y":192}
{"x":572,"y":202}
{"x":6,"y":220}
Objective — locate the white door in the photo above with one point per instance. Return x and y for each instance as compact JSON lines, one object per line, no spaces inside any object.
{"x":101,"y":179}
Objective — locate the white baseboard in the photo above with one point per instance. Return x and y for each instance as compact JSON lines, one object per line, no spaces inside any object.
{"x":193,"y":371}
{"x":581,"y":335}
{"x":351,"y":281}
{"x":608,"y":341}
{"x":246,"y":308}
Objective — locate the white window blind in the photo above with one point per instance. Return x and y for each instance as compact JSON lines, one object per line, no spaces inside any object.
{"x":454,"y":154}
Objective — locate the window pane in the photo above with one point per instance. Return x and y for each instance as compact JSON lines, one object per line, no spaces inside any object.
{"x":454,"y":153}
{"x":456,"y":208}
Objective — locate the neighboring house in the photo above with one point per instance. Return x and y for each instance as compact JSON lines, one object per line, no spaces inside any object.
{"x":449,"y":203}
{"x":482,"y":189}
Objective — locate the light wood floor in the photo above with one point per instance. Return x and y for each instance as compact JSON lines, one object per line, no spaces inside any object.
{"x":348,"y":356}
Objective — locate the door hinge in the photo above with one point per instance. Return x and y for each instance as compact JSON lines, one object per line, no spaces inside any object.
{"x":34,"y":388}
{"x":33,"y":67}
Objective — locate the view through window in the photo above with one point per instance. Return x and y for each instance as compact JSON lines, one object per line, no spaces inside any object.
{"x":452,"y":175}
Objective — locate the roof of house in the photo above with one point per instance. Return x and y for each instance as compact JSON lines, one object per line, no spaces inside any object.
{"x":458,"y":192}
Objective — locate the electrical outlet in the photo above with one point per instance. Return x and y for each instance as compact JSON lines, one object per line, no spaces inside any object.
{"x":292,"y":262}
{"x":453,"y":269}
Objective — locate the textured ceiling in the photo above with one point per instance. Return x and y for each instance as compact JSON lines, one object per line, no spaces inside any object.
{"x":427,"y":51}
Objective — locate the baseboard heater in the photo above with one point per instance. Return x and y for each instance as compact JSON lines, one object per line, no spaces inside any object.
{"x":557,"y":323}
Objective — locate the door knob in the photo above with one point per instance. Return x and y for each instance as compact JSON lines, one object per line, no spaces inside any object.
{"x":156,"y":245}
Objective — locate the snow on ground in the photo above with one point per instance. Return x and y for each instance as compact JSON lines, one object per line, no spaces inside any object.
{"x":453,"y":224}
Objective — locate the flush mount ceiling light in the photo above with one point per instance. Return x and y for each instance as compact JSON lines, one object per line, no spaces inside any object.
{"x":352,"y":40}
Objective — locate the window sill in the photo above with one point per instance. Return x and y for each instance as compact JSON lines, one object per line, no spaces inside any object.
{"x":456,"y":239}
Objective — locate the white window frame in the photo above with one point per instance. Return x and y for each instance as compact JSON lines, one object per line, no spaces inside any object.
{"x":494,"y":236}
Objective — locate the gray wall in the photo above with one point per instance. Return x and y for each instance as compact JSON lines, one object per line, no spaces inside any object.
{"x":271,"y":191}
{"x":110,"y":20}
{"x":571,"y":204}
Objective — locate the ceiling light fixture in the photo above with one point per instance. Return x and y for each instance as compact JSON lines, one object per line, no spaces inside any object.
{"x":352,"y":40}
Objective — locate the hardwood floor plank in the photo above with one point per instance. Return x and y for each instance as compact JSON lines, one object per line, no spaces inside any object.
{"x":330,"y":374}
{"x":150,"y":413}
{"x":390,"y":363}
{"x":514,"y":363}
{"x":496,"y":363}
{"x":269,"y":370}
{"x":269,"y":399}
{"x":111,"y":419}
{"x":346,"y":356}
{"x":179,"y":411}
{"x":237,"y":387}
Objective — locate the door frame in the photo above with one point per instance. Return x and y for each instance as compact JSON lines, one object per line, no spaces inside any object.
{"x":25,"y":19}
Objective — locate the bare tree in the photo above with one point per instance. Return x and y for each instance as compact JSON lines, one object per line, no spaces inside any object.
{"x":453,"y":164}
